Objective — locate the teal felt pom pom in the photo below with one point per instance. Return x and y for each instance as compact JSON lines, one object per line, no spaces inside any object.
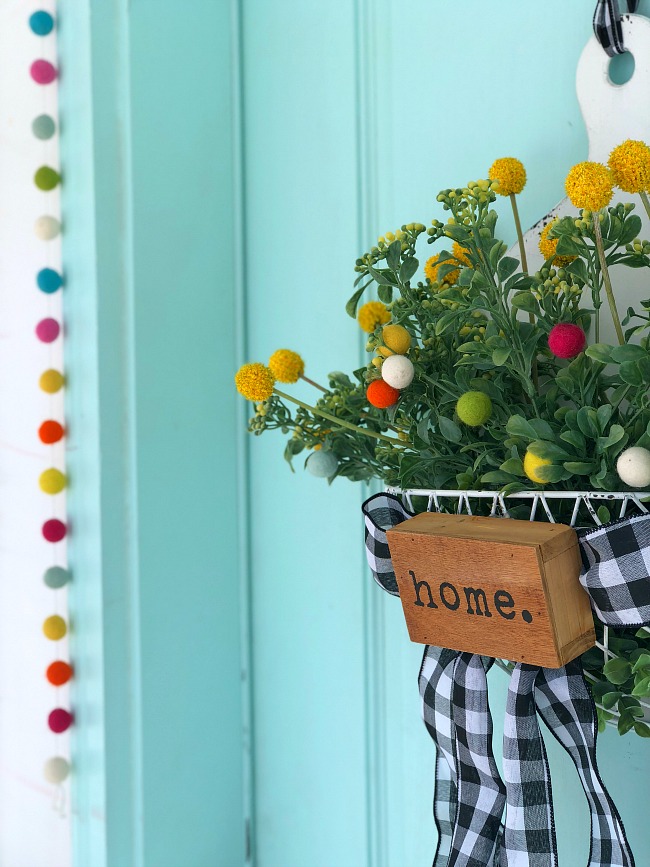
{"x":322,"y":464}
{"x":43,"y":127}
{"x":49,"y":281}
{"x":41,"y":23}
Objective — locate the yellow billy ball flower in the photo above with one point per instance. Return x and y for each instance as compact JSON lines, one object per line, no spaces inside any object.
{"x":460,"y":253}
{"x":474,"y":408}
{"x":548,"y":246}
{"x":432,"y":266}
{"x":589,"y":185}
{"x":371,"y":315}
{"x":396,"y":338}
{"x":629,"y":164}
{"x":255,"y":381}
{"x":286,"y":366}
{"x":510,"y":173}
{"x":531,"y":464}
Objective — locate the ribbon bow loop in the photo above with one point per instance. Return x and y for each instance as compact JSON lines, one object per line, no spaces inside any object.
{"x":616,"y":572}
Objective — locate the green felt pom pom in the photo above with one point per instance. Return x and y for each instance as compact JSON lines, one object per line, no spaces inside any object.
{"x":46,"y":178}
{"x":474,"y":408}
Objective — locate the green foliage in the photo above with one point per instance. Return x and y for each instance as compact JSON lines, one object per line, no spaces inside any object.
{"x":483,"y":325}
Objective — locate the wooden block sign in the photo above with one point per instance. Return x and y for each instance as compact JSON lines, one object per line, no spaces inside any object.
{"x":494,"y":586}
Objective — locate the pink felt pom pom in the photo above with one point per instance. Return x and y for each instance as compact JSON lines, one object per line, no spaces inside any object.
{"x":48,"y":330}
{"x":566,"y":340}
{"x":54,"y":530}
{"x":43,"y":72}
{"x":59,"y":720}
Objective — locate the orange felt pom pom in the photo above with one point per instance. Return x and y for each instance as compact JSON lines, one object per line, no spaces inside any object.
{"x":50,"y":432}
{"x":381,"y":394}
{"x":58,"y":672}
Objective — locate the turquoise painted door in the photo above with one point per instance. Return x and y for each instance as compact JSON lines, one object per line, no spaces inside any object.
{"x":246,"y":694}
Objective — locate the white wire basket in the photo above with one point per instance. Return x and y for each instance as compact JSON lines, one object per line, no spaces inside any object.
{"x":579,"y":509}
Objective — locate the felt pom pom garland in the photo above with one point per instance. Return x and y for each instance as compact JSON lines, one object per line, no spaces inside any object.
{"x":50,"y":430}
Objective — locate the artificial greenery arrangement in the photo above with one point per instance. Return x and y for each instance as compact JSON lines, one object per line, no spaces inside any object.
{"x":485,"y":376}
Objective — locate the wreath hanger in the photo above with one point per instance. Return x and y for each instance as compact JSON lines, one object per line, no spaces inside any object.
{"x":608,"y":27}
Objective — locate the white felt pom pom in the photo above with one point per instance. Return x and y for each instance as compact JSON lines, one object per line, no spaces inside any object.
{"x":47,"y":227}
{"x":397,"y":370}
{"x":322,"y":464}
{"x":633,"y":467}
{"x":56,"y":769}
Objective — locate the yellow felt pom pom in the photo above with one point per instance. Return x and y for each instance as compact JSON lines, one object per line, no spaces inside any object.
{"x":510,"y":174}
{"x":286,"y":366}
{"x":52,"y":481}
{"x":589,"y":185}
{"x":255,"y":381}
{"x":629,"y":164}
{"x":54,"y":627}
{"x":371,"y":315}
{"x":548,"y":246}
{"x":51,"y":381}
{"x":384,"y":351}
{"x":531,"y":464}
{"x":397,"y":338}
{"x":474,"y":408}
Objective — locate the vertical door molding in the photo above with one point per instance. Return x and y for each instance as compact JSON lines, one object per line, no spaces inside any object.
{"x":374,"y":669}
{"x":152,"y":312}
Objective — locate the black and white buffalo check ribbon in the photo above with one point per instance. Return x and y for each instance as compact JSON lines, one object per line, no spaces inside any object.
{"x":607,"y":25}
{"x":470,"y":795}
{"x":616,"y":574}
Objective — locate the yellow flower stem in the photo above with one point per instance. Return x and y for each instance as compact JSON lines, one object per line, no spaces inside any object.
{"x":524,"y":268}
{"x":520,"y":234}
{"x":338,"y":421}
{"x":311,"y":382}
{"x":646,"y":201}
{"x":608,"y":283}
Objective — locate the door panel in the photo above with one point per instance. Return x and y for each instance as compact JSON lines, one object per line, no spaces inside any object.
{"x":355,"y":115}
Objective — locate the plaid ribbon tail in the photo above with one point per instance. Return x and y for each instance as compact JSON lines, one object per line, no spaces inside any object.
{"x":469,"y":794}
{"x":565,"y":705}
{"x":481,"y":793}
{"x":445,"y":801}
{"x":529,"y":837}
{"x":436,"y":689}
